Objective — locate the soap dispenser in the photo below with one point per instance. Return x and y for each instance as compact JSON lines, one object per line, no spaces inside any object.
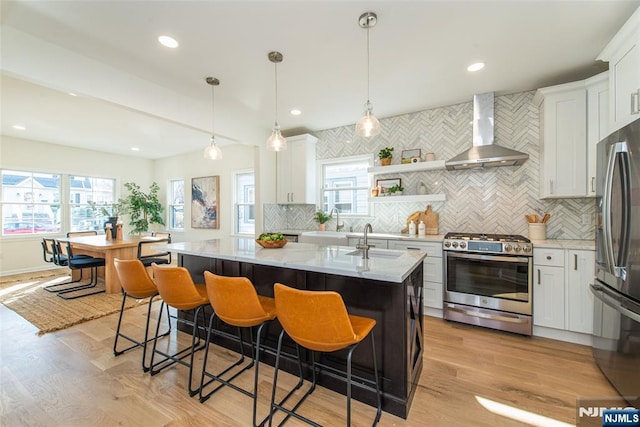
{"x":412,"y":228}
{"x":422,"y":229}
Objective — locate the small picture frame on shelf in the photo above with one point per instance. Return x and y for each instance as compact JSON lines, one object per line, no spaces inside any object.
{"x":385,"y":184}
{"x":411,"y":156}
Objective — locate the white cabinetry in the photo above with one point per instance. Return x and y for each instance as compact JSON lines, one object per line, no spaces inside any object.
{"x":563,"y":130}
{"x":548,"y":288}
{"x":296,"y":171}
{"x":597,"y":122}
{"x":432,"y":277}
{"x":561,"y":296}
{"x":573,"y":119}
{"x":580,"y":273}
{"x":623,"y":55}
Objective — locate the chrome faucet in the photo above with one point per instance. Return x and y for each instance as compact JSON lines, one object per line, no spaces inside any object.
{"x":338,"y":225}
{"x":365,"y":247}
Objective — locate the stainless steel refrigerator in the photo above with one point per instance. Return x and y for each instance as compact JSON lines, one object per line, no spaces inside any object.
{"x":616,"y":336}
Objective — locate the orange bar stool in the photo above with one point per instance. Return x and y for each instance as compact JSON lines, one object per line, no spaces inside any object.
{"x":236,"y":302}
{"x":177,"y":290}
{"x":318,"y":321}
{"x":136,"y":284}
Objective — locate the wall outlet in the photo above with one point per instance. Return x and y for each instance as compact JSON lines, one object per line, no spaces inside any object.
{"x":586,"y":219}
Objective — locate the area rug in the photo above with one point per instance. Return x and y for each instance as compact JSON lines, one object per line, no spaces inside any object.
{"x":25,"y":295}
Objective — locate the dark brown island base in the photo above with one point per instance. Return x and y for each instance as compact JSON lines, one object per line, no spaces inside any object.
{"x":387,"y":287}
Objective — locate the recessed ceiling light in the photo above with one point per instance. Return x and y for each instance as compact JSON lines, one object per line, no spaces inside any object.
{"x":135,"y":149}
{"x":295,"y":112}
{"x":19,"y":127}
{"x":168,"y":41}
{"x":72,"y":94}
{"x":475,"y":67}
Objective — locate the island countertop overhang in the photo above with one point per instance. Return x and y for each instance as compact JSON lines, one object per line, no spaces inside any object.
{"x":384,"y":265}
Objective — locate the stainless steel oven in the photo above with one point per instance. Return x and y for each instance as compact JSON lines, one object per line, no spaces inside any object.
{"x":488,"y":281}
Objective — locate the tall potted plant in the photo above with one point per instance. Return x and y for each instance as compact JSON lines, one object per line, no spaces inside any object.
{"x":143,"y":208}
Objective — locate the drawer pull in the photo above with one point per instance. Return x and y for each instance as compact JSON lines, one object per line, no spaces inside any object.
{"x":538,"y":276}
{"x":548,"y":257}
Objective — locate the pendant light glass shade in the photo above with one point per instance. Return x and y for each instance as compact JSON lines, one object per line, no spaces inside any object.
{"x":276,"y":141}
{"x":212,"y":151}
{"x":368,"y":125}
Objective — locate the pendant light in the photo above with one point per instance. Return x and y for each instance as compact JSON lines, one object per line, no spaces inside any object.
{"x":368,"y":125}
{"x":276,"y":141}
{"x":212,"y":152}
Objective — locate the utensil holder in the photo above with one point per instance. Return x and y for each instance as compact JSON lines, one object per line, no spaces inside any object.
{"x":537,"y":231}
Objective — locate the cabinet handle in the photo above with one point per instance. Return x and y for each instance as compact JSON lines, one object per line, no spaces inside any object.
{"x":412,"y":249}
{"x":550,"y":186}
{"x":538,"y":276}
{"x":593,"y":184}
{"x":575,"y":261}
{"x":635,"y":106}
{"x":548,"y":257}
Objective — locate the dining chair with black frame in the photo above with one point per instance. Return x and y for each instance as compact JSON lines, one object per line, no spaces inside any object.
{"x":77,"y":262}
{"x":147,"y":255}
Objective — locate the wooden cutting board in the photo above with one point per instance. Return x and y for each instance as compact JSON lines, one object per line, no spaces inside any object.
{"x":429,"y":218}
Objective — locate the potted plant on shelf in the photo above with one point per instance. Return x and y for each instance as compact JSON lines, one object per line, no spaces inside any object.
{"x":143,"y":208}
{"x":395,"y":189}
{"x":385,"y":155}
{"x":321,"y":218}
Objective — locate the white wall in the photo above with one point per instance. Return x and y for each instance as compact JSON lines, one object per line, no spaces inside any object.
{"x":19,"y":254}
{"x":193,"y":165}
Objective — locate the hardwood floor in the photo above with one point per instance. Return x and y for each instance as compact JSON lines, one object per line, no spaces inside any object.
{"x":470,"y":375}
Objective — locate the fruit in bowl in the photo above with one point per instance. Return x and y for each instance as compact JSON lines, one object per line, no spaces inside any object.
{"x":271,"y":240}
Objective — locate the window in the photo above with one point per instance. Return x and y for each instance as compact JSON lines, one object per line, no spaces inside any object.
{"x":176,"y":204}
{"x":30,"y":203}
{"x":83,"y":191}
{"x":244,"y":202}
{"x":345,"y":185}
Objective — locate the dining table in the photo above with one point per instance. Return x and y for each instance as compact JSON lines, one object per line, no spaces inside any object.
{"x":99,"y":246}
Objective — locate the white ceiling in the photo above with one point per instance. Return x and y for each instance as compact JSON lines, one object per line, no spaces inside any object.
{"x":134,"y":92}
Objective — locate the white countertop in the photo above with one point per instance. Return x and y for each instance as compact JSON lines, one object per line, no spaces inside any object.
{"x":385,"y":265}
{"x":587,"y":245}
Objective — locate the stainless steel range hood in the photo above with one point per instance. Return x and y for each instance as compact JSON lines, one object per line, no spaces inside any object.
{"x":484,"y":153}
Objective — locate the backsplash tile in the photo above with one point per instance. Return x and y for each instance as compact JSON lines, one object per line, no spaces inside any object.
{"x":493,"y":200}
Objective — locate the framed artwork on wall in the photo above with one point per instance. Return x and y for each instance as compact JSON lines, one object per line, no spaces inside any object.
{"x":205,"y":195}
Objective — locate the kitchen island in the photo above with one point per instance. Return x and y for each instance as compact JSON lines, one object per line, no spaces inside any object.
{"x":386,"y":287}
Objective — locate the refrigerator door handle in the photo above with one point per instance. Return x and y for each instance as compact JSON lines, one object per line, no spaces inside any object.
{"x":614,"y":301}
{"x":615,"y":150}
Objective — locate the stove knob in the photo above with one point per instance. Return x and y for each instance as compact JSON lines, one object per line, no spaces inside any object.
{"x":455,"y":244}
{"x":517,"y":248}
{"x":527,"y":248}
{"x":507,"y":247}
{"x":463,"y":245}
{"x":447,"y":243}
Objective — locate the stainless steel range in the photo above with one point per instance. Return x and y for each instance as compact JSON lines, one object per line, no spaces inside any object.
{"x":488,"y":281}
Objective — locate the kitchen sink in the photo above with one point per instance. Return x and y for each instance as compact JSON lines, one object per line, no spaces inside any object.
{"x":324,"y":238}
{"x":373,"y":253}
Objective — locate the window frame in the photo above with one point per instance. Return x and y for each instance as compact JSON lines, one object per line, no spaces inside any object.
{"x":320,"y":168}
{"x":170,"y":204}
{"x":237,"y":205}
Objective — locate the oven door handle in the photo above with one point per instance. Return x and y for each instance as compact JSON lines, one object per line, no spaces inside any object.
{"x":503,"y":318}
{"x":486,"y":257}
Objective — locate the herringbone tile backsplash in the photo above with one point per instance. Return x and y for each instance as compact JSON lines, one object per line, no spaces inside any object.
{"x":493,"y":200}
